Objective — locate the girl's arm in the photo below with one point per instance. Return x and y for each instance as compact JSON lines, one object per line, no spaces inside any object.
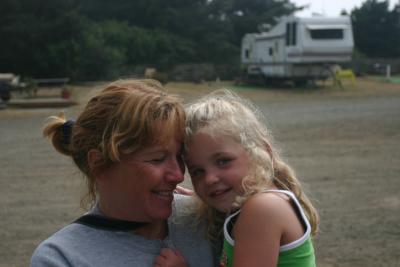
{"x":170,"y":258}
{"x":259,"y":230}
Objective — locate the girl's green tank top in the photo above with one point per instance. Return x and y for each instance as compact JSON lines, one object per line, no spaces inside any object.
{"x":300,"y":254}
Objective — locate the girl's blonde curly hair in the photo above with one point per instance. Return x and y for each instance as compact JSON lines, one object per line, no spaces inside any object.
{"x":225,"y":113}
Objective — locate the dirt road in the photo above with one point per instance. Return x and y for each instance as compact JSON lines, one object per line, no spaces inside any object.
{"x":344,"y":145}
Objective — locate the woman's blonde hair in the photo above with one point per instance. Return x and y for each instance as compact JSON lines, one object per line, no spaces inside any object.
{"x":123,"y":118}
{"x":225,"y":113}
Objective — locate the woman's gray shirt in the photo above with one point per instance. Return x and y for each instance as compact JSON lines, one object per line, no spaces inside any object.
{"x":83,"y":246}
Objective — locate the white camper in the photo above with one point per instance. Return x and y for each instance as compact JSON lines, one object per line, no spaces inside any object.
{"x":298,"y":49}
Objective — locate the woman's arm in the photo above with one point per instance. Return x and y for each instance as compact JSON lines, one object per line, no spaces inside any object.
{"x":49,"y":255}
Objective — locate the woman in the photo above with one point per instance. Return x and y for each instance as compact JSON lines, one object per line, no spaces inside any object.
{"x":127,"y":142}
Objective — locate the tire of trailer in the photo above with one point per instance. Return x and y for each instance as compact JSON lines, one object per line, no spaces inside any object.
{"x":5,"y":95}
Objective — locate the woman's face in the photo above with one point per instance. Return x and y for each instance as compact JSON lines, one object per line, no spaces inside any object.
{"x":217,"y":167}
{"x":141,"y":186}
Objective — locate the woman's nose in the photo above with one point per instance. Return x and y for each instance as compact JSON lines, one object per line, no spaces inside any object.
{"x":176,"y":171}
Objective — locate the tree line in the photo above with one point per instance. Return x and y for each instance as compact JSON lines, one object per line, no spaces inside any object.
{"x":376,"y":29}
{"x":102,"y":39}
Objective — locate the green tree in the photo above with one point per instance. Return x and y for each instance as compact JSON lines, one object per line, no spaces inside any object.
{"x":32,"y":31}
{"x":376,"y":29}
{"x":100,"y":39}
{"x":246,"y":15}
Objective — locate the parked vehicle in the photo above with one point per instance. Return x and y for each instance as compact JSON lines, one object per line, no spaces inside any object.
{"x":9,"y":82}
{"x":298,"y":49}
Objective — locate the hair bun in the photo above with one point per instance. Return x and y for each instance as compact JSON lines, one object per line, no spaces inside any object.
{"x":66,"y":129}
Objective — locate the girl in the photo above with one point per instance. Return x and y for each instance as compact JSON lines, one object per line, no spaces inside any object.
{"x":236,"y":170}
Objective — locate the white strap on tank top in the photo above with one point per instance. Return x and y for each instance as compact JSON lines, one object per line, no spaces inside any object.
{"x":285,"y":247}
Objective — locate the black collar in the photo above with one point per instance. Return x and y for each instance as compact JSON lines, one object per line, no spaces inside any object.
{"x":109,"y":224}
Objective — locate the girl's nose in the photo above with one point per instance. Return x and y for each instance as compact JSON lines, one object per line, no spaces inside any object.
{"x":211,"y":178}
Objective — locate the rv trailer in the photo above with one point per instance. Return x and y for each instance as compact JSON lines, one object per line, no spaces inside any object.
{"x":298,"y":49}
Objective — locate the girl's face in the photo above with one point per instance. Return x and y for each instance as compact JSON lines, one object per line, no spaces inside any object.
{"x":217,"y":166}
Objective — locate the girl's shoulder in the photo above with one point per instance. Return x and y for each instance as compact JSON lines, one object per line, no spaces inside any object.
{"x":278,"y":211}
{"x":268,"y":203}
{"x":271,"y":209}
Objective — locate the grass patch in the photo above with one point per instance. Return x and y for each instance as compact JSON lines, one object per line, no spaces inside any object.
{"x":395,"y":79}
{"x":384,"y":79}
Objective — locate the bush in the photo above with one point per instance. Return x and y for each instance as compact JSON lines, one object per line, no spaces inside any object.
{"x":193,"y":72}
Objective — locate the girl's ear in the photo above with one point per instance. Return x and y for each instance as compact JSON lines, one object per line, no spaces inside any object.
{"x":94,"y":157}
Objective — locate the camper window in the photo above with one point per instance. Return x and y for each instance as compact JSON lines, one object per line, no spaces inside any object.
{"x":246,"y":53}
{"x":288,"y":34}
{"x":294,"y":30}
{"x":291,"y":29}
{"x":326,"y":34}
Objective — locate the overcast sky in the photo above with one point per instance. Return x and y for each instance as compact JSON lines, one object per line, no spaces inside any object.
{"x":330,"y":7}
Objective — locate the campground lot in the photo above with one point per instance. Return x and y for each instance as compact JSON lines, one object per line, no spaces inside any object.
{"x":343,"y":143}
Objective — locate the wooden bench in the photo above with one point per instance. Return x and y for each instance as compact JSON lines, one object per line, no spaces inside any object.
{"x":52,"y":83}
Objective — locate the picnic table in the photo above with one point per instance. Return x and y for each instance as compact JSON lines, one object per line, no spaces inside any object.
{"x":52,"y":83}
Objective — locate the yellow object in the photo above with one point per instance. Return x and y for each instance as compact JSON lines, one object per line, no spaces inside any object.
{"x":344,"y":74}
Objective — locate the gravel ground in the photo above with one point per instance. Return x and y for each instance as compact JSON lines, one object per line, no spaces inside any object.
{"x":343,"y":144}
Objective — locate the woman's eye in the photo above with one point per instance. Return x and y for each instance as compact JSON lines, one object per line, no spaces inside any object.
{"x":157,"y":159}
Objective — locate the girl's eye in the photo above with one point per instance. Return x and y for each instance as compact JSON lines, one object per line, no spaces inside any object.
{"x":179,"y":158}
{"x":223,"y":161}
{"x":181,"y":163}
{"x":196,"y":173}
